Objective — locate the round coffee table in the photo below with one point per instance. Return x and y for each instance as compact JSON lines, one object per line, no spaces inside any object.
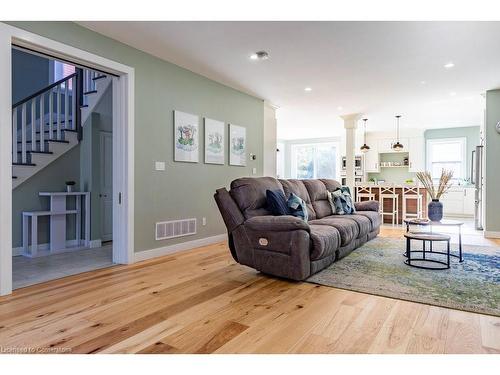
{"x":442,"y":223}
{"x":424,"y":237}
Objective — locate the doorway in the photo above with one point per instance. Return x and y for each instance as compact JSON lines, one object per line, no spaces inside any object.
{"x":122,"y":197}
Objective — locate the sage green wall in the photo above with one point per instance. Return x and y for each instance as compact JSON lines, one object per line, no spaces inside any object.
{"x":393,"y":175}
{"x":471,"y":133}
{"x":184,"y":190}
{"x":492,"y":167}
{"x":52,"y":178}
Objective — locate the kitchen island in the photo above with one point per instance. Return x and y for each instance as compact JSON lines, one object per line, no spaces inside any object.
{"x":411,"y":203}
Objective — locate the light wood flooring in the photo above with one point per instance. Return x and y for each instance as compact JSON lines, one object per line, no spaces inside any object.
{"x":201,"y":301}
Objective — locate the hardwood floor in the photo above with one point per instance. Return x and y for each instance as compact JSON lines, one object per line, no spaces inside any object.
{"x":201,"y":301}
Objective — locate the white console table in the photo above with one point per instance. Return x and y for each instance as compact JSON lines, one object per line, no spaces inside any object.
{"x":58,"y":213}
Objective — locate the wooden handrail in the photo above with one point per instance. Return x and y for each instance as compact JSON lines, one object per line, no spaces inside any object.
{"x":44,"y":90}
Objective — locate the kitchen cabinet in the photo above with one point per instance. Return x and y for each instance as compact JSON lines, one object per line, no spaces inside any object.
{"x":416,"y":154}
{"x":458,"y":201}
{"x":469,"y":200}
{"x":372,"y":160}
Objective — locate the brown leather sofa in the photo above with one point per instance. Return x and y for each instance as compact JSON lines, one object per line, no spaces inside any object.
{"x":286,"y":246}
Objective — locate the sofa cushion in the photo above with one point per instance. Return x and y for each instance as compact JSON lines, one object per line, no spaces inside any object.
{"x":299,"y":189}
{"x":325,"y":241}
{"x":319,"y":197}
{"x":331,"y":185}
{"x":373,"y":216}
{"x":364,"y":224}
{"x":348,"y":228}
{"x":250,"y":194}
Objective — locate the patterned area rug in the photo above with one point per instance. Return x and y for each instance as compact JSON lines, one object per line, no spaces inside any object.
{"x":377,"y":268}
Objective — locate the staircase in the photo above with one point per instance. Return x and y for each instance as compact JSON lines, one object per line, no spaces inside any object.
{"x":49,"y":123}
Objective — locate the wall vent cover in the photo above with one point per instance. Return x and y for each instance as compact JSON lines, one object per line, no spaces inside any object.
{"x":175,"y":228}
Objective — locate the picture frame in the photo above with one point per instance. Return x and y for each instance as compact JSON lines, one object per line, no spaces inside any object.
{"x":215,"y":141}
{"x":237,"y":145}
{"x":186,"y":137}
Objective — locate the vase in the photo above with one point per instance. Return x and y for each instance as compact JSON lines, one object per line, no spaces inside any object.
{"x":435,"y":210}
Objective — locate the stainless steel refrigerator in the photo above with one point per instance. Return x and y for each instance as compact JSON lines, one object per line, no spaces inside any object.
{"x":477,"y":180}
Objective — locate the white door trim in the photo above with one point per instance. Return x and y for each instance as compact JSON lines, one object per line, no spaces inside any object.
{"x":123,"y":143}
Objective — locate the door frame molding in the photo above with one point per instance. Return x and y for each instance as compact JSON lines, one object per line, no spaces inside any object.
{"x":123,"y":142}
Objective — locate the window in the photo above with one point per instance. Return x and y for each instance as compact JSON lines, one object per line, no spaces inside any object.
{"x":318,"y":160}
{"x":62,"y":70}
{"x":447,"y":153}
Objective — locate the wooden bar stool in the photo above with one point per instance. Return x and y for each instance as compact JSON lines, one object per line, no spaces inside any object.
{"x":413,"y":193}
{"x":389,"y":192}
{"x":363,"y":191}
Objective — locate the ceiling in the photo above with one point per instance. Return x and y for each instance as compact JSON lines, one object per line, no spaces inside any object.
{"x":378,"y":69}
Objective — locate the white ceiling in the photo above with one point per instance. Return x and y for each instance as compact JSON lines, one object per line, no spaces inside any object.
{"x":375,"y":68}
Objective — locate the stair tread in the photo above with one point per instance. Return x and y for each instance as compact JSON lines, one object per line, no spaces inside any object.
{"x":14,"y":177}
{"x":55,"y":130}
{"x":98,"y":77}
{"x":90,"y":92}
{"x":46,"y":140}
{"x":26,"y":164}
{"x":36,"y":152}
{"x":84,"y":106}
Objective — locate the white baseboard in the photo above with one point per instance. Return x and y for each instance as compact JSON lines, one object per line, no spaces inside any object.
{"x":161,"y":251}
{"x":491,"y":234}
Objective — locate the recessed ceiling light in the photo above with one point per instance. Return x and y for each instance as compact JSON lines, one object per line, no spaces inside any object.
{"x":261,"y":55}
{"x":423,"y":82}
{"x":308,"y":89}
{"x":340,"y":108}
{"x":449,"y":65}
{"x":453,"y":93}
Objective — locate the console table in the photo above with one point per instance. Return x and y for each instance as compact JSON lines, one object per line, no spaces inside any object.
{"x":57,"y":214}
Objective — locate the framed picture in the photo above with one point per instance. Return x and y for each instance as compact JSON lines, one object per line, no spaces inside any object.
{"x":214,"y":142}
{"x":186,"y":139}
{"x":237,"y":145}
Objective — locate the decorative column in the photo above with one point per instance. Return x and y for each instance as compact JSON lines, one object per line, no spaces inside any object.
{"x":350,"y":125}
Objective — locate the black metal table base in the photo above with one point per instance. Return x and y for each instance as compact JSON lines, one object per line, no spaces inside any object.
{"x":409,"y":261}
{"x":411,"y":264}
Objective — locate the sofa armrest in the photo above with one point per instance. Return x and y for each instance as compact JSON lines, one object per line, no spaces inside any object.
{"x":367,"y":206}
{"x":276,"y":223}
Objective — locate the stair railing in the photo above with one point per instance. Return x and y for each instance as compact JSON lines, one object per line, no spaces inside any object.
{"x":48,"y":112}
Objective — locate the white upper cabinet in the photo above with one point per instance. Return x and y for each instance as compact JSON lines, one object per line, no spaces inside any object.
{"x":416,"y":154}
{"x":372,"y":162}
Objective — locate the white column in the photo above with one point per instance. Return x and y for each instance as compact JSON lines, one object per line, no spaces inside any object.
{"x":350,"y":125}
{"x":270,"y":140}
{"x":5,"y":162}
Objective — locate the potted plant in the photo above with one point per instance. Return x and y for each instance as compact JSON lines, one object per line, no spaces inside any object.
{"x":435,"y":207}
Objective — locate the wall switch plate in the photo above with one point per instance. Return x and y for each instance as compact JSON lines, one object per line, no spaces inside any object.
{"x":203,"y":221}
{"x":254,"y":170}
{"x":160,"y":165}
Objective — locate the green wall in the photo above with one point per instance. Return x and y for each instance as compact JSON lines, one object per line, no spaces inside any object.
{"x":393,"y":175}
{"x":492,"y":168}
{"x":472,"y":133}
{"x":183,"y":190}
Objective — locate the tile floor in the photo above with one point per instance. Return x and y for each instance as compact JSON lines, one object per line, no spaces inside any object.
{"x":28,"y":271}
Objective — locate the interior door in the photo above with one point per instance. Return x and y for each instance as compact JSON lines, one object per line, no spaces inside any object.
{"x":106,"y":184}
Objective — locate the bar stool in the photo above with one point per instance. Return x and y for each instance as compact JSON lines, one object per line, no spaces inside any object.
{"x":389,"y":192}
{"x":363,"y":191}
{"x":412,"y":192}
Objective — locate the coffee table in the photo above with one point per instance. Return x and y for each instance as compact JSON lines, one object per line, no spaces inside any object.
{"x":442,"y":223}
{"x":431,"y":238}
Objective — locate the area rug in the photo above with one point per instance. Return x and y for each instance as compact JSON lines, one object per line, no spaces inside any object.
{"x":377,"y":268}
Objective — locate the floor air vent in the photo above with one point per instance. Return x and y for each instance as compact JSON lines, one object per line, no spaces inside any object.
{"x":175,"y":228}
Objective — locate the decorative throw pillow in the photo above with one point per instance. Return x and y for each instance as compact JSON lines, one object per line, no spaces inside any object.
{"x":276,"y":202}
{"x":297,"y":207}
{"x":341,"y":202}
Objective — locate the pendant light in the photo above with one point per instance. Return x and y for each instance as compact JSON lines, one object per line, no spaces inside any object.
{"x":365,"y":147}
{"x":397,"y":146}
